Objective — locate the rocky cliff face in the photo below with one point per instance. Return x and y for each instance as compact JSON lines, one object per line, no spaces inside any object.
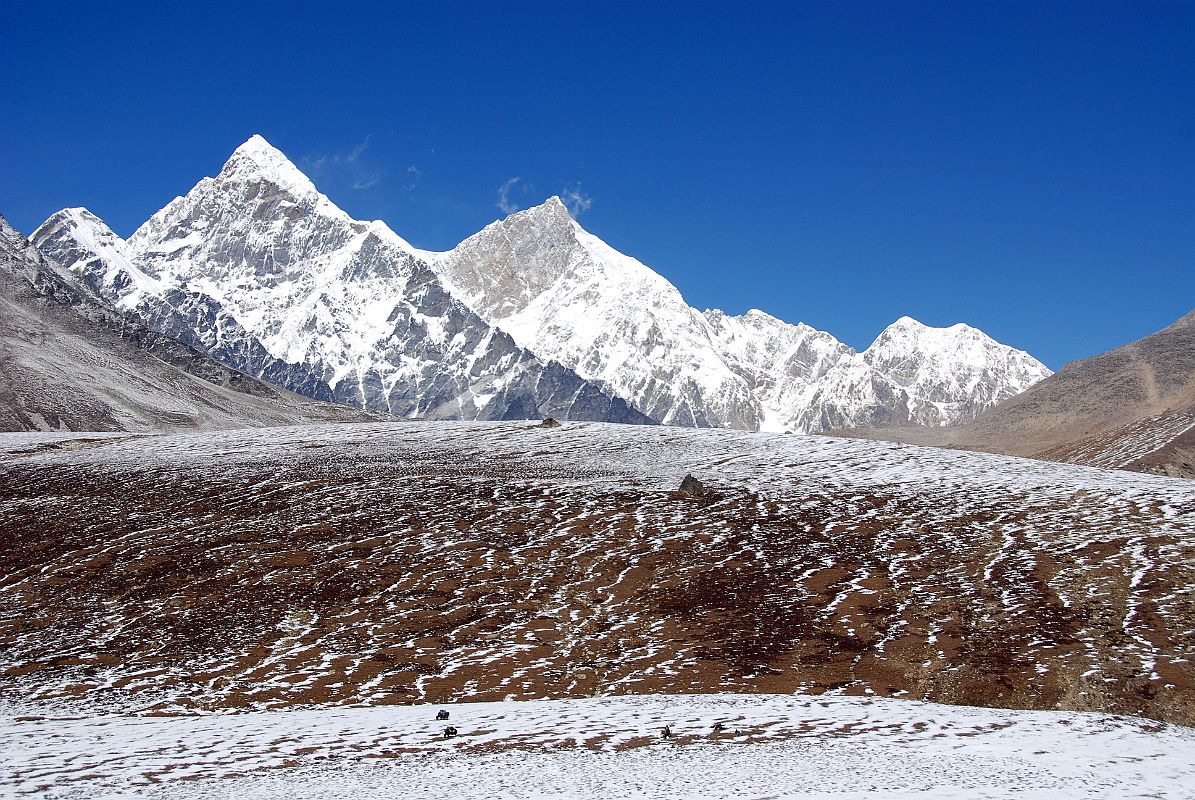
{"x":532,"y":316}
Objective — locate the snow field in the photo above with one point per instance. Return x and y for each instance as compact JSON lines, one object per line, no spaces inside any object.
{"x":772,"y":746}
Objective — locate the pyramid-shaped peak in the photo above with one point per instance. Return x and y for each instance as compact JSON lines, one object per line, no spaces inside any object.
{"x":257,"y":159}
{"x":86,"y":227}
{"x":77,"y":215}
{"x":256,"y":147}
{"x":550,"y":210}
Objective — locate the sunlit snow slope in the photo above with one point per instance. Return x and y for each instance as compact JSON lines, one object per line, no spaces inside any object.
{"x":265,"y":273}
{"x":69,"y":361}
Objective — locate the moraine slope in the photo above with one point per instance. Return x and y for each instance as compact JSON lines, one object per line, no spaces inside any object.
{"x":1132,"y":407}
{"x":429,"y":562}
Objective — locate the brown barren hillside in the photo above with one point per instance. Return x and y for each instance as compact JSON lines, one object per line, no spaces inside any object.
{"x":1151,"y":377}
{"x":396,"y":563}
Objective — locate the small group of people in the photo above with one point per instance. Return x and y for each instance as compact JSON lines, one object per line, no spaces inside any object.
{"x":667,"y":732}
{"x":450,"y":731}
{"x":442,"y":716}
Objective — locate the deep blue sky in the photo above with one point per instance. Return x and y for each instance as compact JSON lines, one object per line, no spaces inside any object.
{"x":1026,"y":168}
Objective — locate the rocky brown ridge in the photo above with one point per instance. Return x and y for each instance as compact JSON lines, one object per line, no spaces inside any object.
{"x":430,"y":562}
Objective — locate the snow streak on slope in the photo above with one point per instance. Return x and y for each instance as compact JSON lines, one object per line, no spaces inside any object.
{"x":1125,"y":445}
{"x":769,"y":746}
{"x":264,"y":272}
{"x":392,"y":563}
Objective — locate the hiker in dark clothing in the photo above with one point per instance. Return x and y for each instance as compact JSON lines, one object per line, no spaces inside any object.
{"x":667,"y":732}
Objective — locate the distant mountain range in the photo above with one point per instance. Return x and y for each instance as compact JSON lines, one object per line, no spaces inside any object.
{"x":532,"y":316}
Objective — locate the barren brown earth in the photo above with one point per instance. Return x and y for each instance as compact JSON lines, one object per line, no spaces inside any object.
{"x":393,"y":563}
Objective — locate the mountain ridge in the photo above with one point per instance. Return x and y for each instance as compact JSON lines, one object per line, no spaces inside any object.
{"x":72,"y":362}
{"x":258,"y":265}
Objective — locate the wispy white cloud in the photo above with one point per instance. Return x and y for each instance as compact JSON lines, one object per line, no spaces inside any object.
{"x":345,"y":166}
{"x":414,"y":175}
{"x":504,"y":202}
{"x":575,"y":200}
{"x":357,"y":151}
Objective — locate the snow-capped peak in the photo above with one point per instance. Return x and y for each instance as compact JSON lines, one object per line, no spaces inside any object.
{"x":908,"y":335}
{"x":82,"y":241}
{"x":257,"y":159}
{"x":950,"y":373}
{"x":552,"y":207}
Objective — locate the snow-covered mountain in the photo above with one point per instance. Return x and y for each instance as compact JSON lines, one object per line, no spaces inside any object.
{"x":70,"y":361}
{"x":566,"y":295}
{"x":263,"y":271}
{"x":531,"y":316}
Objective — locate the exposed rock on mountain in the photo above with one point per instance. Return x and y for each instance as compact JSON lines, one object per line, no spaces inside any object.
{"x":68,"y":361}
{"x":569,"y":297}
{"x":99,"y":257}
{"x":531,"y":316}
